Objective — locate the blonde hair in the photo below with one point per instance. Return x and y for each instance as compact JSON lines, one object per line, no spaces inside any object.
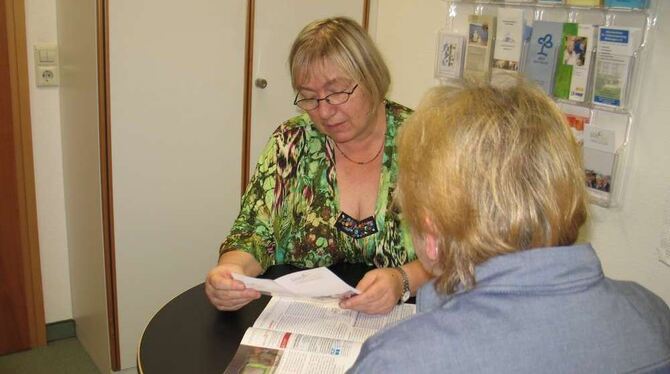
{"x":489,"y":171}
{"x":345,"y":43}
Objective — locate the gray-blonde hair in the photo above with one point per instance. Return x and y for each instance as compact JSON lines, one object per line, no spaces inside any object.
{"x":345,"y":43}
{"x":489,"y":171}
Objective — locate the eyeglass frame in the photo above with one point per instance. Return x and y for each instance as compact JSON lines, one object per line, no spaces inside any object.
{"x":325,"y":98}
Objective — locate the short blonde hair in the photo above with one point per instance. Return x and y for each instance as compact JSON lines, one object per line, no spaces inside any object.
{"x":345,"y":43}
{"x":489,"y":171}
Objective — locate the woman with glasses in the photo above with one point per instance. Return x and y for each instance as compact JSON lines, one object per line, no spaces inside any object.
{"x":322,"y":190}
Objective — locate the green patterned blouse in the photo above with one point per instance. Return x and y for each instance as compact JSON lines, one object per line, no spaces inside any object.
{"x":291,"y":204}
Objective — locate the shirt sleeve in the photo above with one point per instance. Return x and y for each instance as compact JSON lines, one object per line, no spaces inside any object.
{"x":370,"y":360}
{"x":252,"y":231}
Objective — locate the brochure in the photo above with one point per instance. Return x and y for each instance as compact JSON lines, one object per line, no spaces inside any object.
{"x":578,"y":118}
{"x":607,"y":131}
{"x":614,"y":60}
{"x":481,"y":34}
{"x":303,"y":336}
{"x":603,"y":137}
{"x":449,"y":56}
{"x":509,"y":40}
{"x":312,"y":283}
{"x":629,"y":4}
{"x":594,"y":3}
{"x":574,"y":61}
{"x":543,"y":48}
{"x":598,"y":168}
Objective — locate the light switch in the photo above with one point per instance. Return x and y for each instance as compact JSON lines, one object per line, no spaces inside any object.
{"x":46,"y":65}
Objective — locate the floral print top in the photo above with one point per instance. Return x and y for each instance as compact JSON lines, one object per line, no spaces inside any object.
{"x":291,"y":204}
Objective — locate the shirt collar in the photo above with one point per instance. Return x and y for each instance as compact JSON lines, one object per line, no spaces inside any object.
{"x":533,"y":271}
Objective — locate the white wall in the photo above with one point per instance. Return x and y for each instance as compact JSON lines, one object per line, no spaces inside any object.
{"x":406,"y":36}
{"x":626,"y":238}
{"x":48,"y":160}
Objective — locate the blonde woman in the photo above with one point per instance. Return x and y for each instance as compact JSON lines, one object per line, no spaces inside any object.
{"x":492,"y":187}
{"x":322,"y":190}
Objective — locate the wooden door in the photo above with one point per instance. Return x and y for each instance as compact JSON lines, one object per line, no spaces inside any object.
{"x":21,"y":306}
{"x":275,"y":26}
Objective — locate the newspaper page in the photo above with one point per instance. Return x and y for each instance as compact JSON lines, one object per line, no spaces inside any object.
{"x":326,"y":319}
{"x":305,"y":336}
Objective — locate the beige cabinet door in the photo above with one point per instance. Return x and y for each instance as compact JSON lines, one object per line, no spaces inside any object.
{"x":276,"y":24}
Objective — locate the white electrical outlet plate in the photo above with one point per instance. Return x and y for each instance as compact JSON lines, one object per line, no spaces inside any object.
{"x":46,"y":65}
{"x":47,"y":76}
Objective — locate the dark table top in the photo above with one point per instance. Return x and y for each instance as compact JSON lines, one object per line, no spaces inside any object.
{"x":189,"y":335}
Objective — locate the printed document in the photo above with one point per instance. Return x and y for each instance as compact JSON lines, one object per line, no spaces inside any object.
{"x":312,"y":283}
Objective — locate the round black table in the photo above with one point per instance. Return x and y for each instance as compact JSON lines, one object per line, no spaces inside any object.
{"x":189,"y":335}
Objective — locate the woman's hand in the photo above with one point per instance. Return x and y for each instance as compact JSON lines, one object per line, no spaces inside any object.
{"x":380,"y":292}
{"x":226,"y":293}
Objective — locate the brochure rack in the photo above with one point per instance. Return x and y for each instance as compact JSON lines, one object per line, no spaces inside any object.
{"x":601,"y":106}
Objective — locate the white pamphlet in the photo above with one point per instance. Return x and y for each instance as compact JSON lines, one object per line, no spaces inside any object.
{"x":509,"y":40}
{"x":315,"y":283}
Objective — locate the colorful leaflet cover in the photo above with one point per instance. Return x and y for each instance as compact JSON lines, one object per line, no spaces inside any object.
{"x":542,"y":53}
{"x":509,"y":42}
{"x":449,"y":56}
{"x":630,"y":4}
{"x":595,"y":3}
{"x":614,"y":65}
{"x":574,"y":61}
{"x":481,"y":35}
{"x":578,"y":118}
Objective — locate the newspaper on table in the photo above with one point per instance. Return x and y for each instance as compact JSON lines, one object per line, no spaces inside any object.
{"x":308,"y":336}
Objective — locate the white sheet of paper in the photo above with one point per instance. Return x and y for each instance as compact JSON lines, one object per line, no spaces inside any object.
{"x":315,"y":283}
{"x":265,"y":286}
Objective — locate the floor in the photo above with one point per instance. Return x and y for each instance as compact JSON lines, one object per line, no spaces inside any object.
{"x":65,"y":356}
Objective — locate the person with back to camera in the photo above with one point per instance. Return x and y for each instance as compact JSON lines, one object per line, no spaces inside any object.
{"x":491,"y":185}
{"x":322,"y":190}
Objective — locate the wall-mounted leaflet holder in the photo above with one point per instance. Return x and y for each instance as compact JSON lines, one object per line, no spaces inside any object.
{"x":588,"y":55}
{"x":605,"y":143}
{"x":46,"y":65}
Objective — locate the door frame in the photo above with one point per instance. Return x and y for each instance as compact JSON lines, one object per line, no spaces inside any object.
{"x":25,"y":179}
{"x":107,"y":194}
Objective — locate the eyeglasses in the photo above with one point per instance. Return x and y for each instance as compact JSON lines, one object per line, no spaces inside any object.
{"x":336,"y":98}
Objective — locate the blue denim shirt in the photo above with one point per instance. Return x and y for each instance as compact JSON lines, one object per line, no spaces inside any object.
{"x":547,"y":310}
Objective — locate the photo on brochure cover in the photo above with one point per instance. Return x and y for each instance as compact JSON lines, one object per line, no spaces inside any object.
{"x":600,"y":182}
{"x":575,"y":50}
{"x":479,"y":34}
